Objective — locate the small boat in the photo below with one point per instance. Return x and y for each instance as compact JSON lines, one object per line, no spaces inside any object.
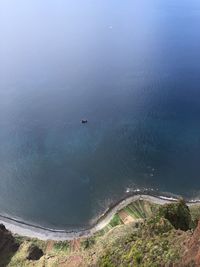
{"x":84,"y":121}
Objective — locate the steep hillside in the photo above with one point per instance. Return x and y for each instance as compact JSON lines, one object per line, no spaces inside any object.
{"x":141,"y":234}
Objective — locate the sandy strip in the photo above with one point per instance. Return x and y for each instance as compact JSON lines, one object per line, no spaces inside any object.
{"x":27,"y":230}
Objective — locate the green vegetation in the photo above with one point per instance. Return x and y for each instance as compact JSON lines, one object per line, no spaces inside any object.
{"x":195,"y":214}
{"x":88,"y":243}
{"x":141,"y":209}
{"x":155,"y":243}
{"x":150,"y":246}
{"x":178,"y":215}
{"x":61,"y":246}
{"x":115,"y":221}
{"x":151,"y":238}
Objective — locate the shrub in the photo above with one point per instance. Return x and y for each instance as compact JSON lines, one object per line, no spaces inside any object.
{"x":178,"y":214}
{"x":157,"y":225}
{"x":88,"y":243}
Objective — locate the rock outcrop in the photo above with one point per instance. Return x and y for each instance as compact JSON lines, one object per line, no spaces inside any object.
{"x":8,"y":246}
{"x":34,"y":253}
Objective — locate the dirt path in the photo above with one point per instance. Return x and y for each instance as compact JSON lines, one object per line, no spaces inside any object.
{"x":49,"y":246}
{"x":73,"y":261}
{"x":75,"y":245}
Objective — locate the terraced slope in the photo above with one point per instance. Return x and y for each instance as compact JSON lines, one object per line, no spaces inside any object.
{"x":137,"y":235}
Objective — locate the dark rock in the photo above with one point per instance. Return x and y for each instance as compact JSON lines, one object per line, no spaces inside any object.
{"x":14,"y":247}
{"x":7,"y":241}
{"x":2,"y":227}
{"x":8,"y":246}
{"x":34,"y":253}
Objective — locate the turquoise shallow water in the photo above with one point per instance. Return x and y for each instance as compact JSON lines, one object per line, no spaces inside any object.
{"x":131,"y":68}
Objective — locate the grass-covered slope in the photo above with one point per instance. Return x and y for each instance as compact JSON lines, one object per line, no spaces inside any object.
{"x":141,"y":234}
{"x":154,"y":242}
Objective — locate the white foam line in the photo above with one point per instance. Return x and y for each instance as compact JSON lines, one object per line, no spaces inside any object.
{"x":61,"y":235}
{"x":48,"y":234}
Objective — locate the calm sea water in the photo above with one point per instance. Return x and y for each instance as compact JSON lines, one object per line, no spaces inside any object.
{"x":132,"y":69}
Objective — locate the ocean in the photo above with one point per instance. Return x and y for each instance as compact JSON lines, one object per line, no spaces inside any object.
{"x":132,"y":70}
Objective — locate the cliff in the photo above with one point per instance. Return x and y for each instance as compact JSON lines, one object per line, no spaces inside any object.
{"x":141,"y":234}
{"x":8,"y":246}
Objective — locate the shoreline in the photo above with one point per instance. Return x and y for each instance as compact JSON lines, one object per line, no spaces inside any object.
{"x":25,"y":229}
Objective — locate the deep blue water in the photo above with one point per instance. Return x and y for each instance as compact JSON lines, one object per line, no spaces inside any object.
{"x":132,"y":69}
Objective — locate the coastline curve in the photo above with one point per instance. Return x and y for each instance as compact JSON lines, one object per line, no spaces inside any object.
{"x":25,"y":229}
